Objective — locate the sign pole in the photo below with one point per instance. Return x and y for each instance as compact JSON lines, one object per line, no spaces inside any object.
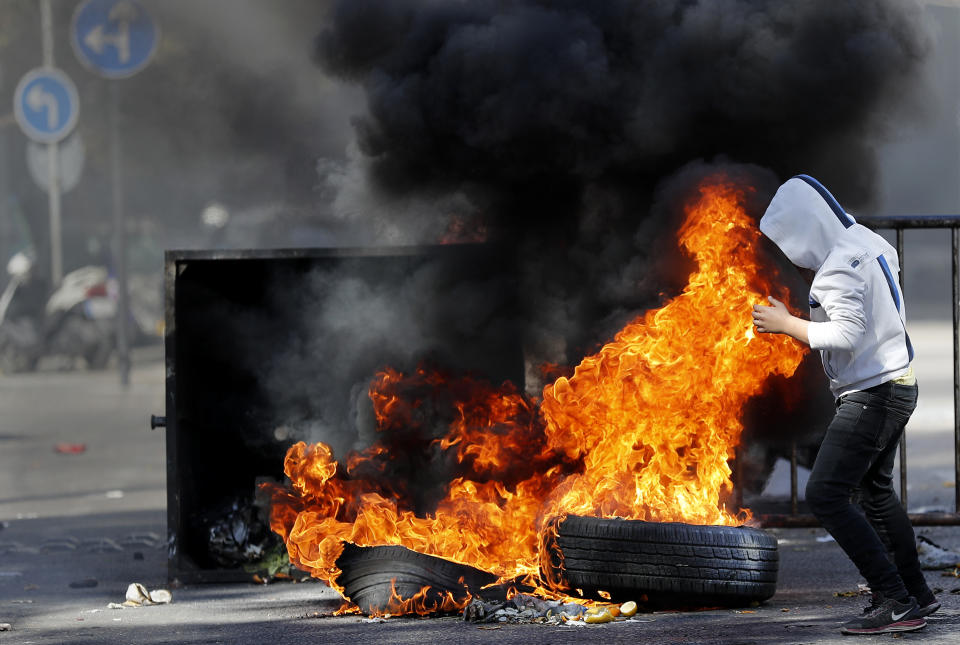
{"x":119,"y":236}
{"x":115,"y":38}
{"x":53,"y":159}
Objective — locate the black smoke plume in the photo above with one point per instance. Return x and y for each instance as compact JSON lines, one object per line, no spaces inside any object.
{"x":558,"y":119}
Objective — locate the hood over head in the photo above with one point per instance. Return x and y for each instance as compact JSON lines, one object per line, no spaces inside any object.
{"x":805,"y":221}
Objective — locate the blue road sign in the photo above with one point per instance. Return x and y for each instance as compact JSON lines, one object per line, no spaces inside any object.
{"x":115,"y":38}
{"x":46,"y":105}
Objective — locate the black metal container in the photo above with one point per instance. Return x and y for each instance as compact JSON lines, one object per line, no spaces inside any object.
{"x":265,"y":348}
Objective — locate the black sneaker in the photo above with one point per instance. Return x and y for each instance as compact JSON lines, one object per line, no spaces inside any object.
{"x":888,"y":616}
{"x":927,"y":603}
{"x":876,"y":599}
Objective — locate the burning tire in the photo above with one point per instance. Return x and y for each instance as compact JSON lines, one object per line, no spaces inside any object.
{"x":669,"y":563}
{"x":378,"y":579}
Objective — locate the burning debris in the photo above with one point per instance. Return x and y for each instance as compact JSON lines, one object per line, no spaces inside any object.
{"x":642,"y":430}
{"x":393,"y":580}
{"x":238,"y":535}
{"x":524,"y":608}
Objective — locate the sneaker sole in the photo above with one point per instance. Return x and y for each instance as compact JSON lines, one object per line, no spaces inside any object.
{"x":929,"y":609}
{"x":902,"y":626}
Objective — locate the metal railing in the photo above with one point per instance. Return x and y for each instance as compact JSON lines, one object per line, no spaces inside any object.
{"x":899,"y":223}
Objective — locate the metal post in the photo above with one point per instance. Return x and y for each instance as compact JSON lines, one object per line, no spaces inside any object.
{"x":903,"y":437}
{"x":956,"y":369}
{"x":4,"y":167}
{"x":738,"y":483}
{"x":794,"y":495}
{"x":53,"y":157}
{"x":119,"y":237}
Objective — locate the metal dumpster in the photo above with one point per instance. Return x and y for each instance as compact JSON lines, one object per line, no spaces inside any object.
{"x":265,"y":348}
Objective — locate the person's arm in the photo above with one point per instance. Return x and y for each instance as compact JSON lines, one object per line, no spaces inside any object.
{"x":777,"y":319}
{"x":842,"y":292}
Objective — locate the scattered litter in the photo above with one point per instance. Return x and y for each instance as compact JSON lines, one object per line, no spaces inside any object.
{"x":375,"y":619}
{"x":86,"y":583}
{"x":522,"y":608}
{"x":862,"y":590}
{"x":138,"y":596}
{"x":745,"y":611}
{"x":826,"y":538}
{"x":10,"y":574}
{"x":489,"y":627}
{"x":31,"y":587}
{"x":784,"y":610}
{"x":598,"y":615}
{"x":114,"y":494}
{"x":526,"y":609}
{"x":6,"y":627}
{"x":956,"y":590}
{"x":934,"y":556}
{"x":21,"y":602}
{"x":238,"y":534}
{"x":70,"y":448}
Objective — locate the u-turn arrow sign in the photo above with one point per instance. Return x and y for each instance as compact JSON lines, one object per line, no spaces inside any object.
{"x":46,"y":105}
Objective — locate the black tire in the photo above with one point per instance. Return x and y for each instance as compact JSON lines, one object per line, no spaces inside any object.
{"x":670,"y":564}
{"x":370,"y":574}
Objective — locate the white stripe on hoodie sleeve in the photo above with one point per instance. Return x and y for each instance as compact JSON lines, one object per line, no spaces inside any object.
{"x":840,"y":291}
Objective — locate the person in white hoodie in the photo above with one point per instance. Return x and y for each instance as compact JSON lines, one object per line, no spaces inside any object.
{"x":858,"y":322}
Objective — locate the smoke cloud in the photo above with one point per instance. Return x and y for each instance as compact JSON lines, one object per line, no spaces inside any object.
{"x":554,"y":122}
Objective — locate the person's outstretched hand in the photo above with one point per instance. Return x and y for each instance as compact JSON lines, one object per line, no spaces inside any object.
{"x":777,"y":319}
{"x":771,"y":319}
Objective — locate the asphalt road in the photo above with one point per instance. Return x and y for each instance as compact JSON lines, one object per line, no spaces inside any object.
{"x":76,"y":528}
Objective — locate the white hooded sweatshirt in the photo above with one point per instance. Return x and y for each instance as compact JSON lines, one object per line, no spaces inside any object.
{"x":857,"y":313}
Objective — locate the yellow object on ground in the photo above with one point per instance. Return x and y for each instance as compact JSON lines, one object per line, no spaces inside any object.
{"x":602,"y":616}
{"x":628,"y":608}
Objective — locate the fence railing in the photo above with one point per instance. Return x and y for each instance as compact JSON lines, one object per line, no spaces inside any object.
{"x":900,"y":223}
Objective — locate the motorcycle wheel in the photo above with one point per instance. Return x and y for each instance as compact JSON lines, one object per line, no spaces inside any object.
{"x":14,"y":358}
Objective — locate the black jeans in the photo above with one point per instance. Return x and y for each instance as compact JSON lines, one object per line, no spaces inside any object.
{"x":858,"y":453}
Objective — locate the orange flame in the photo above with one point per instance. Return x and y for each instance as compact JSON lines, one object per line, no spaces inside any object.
{"x":641,"y":430}
{"x":422,"y":603}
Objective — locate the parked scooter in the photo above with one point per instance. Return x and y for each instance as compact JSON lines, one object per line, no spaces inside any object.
{"x":76,"y":321}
